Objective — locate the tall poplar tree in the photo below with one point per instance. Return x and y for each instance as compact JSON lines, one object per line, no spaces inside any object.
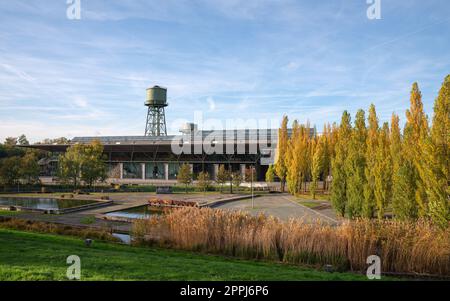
{"x":280,"y":167}
{"x":371,"y":142}
{"x":415,"y":132}
{"x":435,"y":171}
{"x":317,"y":165}
{"x":339,"y":183}
{"x":291,"y":160}
{"x":403,"y":183}
{"x":327,"y":154}
{"x":383,"y":172}
{"x":355,"y":165}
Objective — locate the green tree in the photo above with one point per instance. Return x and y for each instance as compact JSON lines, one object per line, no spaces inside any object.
{"x":339,"y":182}
{"x":93,"y":167}
{"x":237,"y":179}
{"x":10,"y":170}
{"x":250,"y":174}
{"x":395,"y":144}
{"x":404,"y":203}
{"x":203,"y":181}
{"x":82,"y":162}
{"x":222,"y":176}
{"x":10,"y":141}
{"x":61,"y":140}
{"x":383,"y":172}
{"x":403,"y":186}
{"x":70,"y":164}
{"x":282,"y":149}
{"x":327,"y":155}
{"x":355,"y":165}
{"x":298,"y":158}
{"x":29,"y":168}
{"x":415,"y":133}
{"x":270,"y":174}
{"x":435,"y":170}
{"x":22,"y":140}
{"x":317,"y":165}
{"x":291,"y":159}
{"x":369,"y":204}
{"x":185,"y":175}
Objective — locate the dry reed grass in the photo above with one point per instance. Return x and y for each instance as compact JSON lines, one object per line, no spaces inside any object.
{"x":404,"y":247}
{"x":52,"y":228}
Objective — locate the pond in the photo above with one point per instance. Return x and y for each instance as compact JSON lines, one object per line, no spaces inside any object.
{"x":44,"y":203}
{"x":144,"y":211}
{"x":124,"y":238}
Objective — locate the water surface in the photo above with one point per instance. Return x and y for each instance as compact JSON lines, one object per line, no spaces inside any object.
{"x":43,"y":203}
{"x":144,"y":211}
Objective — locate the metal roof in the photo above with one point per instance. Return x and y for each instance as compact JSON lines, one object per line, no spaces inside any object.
{"x":250,"y":135}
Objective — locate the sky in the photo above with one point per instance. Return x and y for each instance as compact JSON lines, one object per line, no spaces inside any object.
{"x":225,"y":59}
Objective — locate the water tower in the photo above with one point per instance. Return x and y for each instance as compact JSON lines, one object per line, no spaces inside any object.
{"x":156,"y":101}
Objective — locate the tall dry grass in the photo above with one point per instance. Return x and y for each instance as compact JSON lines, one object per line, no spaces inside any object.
{"x":404,"y":247}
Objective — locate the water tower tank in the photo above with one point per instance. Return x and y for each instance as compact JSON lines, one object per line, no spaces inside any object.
{"x":156,"y":97}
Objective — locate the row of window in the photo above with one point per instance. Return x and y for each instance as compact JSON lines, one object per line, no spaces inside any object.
{"x":152,"y":171}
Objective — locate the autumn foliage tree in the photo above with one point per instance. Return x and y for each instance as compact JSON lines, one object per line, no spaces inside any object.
{"x":354,"y":166}
{"x":375,"y":169}
{"x":280,"y":167}
{"x":435,"y":167}
{"x":340,"y":179}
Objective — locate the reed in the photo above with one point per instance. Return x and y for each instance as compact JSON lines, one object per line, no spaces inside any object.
{"x":404,"y":247}
{"x":52,"y":228}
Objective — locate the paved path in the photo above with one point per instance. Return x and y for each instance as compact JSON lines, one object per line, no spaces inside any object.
{"x":282,"y":206}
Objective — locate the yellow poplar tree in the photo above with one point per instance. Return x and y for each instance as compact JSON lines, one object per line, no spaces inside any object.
{"x":339,"y":183}
{"x":326,"y":154}
{"x":436,"y":168}
{"x":282,"y":149}
{"x":371,"y":142}
{"x":293,"y":159}
{"x":415,"y":133}
{"x":317,"y":165}
{"x":383,"y":172}
{"x":355,"y":164}
{"x":403,"y":180}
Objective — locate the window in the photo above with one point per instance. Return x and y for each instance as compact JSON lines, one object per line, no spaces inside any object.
{"x":173,"y":170}
{"x":155,"y":171}
{"x":132,"y":171}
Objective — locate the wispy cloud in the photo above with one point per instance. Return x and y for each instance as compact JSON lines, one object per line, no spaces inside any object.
{"x":229,"y":58}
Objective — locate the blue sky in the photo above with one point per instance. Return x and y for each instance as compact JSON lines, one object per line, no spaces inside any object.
{"x":227,"y":58}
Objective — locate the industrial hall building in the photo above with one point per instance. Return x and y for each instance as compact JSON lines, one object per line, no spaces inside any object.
{"x":156,"y":157}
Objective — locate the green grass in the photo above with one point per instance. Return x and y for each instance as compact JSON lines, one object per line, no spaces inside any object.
{"x":310,"y":204}
{"x":31,"y":256}
{"x":319,"y":197}
{"x":10,"y":213}
{"x":88,"y":220}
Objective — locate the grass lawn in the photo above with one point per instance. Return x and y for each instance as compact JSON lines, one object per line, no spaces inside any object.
{"x":319,"y":197}
{"x":31,"y":256}
{"x":10,"y":213}
{"x":309,"y":204}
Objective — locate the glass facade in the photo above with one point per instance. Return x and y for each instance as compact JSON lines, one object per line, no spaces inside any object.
{"x":114,"y":170}
{"x":155,"y":170}
{"x":132,"y":170}
{"x":173,"y":170}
